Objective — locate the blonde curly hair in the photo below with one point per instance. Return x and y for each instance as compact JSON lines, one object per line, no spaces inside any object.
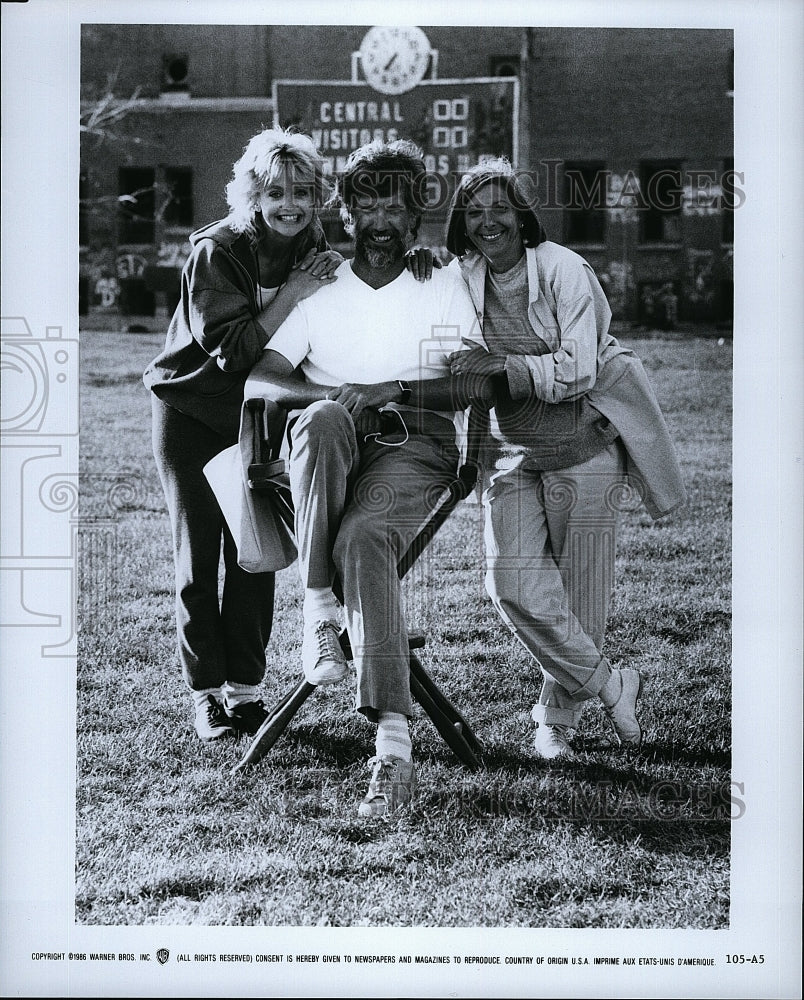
{"x":266,"y":155}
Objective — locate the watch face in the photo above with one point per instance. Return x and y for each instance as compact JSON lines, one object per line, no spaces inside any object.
{"x":394,"y":59}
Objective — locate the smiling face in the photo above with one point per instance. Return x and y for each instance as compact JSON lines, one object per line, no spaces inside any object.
{"x":492,"y":225}
{"x":287,"y":201}
{"x":381,"y":228}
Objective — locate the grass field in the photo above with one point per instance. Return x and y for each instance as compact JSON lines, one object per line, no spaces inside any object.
{"x":165,"y":835}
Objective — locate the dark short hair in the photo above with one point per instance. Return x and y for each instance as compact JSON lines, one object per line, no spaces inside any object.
{"x":381,"y":169}
{"x":500,"y":172}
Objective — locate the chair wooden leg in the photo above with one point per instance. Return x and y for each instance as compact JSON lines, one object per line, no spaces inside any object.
{"x":449,"y":722}
{"x":445,"y":705}
{"x":276,"y":723}
{"x":455,"y":730}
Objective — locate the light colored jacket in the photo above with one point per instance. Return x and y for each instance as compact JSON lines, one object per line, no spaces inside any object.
{"x":568,"y":310}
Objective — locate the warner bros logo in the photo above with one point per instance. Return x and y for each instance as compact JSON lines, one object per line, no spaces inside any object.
{"x":162,"y":955}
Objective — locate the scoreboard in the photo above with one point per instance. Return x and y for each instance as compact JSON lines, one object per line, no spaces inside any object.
{"x":456,"y":123}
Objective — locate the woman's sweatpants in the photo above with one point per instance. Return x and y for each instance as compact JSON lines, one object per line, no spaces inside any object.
{"x":224,"y":639}
{"x":550,"y":548}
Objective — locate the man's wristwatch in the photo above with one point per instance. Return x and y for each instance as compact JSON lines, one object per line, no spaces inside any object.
{"x":405,"y":390}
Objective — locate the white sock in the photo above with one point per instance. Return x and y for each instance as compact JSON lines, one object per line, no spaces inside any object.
{"x":237,"y":694}
{"x":200,"y":697}
{"x":320,"y":604}
{"x":393,"y":735}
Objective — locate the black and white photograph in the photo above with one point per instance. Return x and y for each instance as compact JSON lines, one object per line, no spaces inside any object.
{"x":401,"y":500}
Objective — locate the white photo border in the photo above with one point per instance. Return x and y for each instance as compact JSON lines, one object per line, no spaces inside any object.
{"x":37,"y":695}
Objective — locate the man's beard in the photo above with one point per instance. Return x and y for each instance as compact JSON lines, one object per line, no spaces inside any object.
{"x":380,"y":258}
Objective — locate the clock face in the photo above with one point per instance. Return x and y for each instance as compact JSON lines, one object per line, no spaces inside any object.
{"x":394,"y":59}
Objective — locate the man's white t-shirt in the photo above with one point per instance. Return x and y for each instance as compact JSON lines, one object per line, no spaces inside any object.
{"x":350,"y":332}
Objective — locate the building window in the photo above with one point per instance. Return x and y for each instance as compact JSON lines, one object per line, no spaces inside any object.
{"x":661,"y":202}
{"x":585,"y":202}
{"x":727,"y":203}
{"x":135,"y":188}
{"x":175,"y":72}
{"x":504,"y":66}
{"x":178,"y":208}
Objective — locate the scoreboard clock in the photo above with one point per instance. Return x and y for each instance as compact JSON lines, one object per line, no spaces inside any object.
{"x":394,"y":60}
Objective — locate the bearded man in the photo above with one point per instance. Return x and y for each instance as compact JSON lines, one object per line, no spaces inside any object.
{"x":374,"y":339}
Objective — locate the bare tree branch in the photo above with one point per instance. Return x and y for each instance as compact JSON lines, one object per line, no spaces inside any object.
{"x":99,"y":115}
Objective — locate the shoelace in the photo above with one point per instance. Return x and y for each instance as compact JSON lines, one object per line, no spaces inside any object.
{"x":556,"y":728}
{"x":382,"y":772}
{"x":215,"y":711}
{"x":327,"y":639}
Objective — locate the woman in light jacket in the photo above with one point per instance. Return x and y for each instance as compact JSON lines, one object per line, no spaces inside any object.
{"x":575,"y":425}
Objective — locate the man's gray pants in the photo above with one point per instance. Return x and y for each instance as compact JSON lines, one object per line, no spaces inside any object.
{"x":358,"y":507}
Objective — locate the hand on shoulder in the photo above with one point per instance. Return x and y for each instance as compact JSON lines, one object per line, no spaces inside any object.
{"x":314,"y":271}
{"x":420,"y":261}
{"x":321,"y":263}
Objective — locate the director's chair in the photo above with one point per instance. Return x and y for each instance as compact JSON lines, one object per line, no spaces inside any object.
{"x":266,"y":474}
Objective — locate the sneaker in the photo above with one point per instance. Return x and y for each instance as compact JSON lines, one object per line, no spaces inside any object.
{"x":211,"y":721}
{"x":393,"y":782}
{"x":622,"y":714}
{"x":248,"y":716}
{"x":552,"y":742}
{"x":322,"y":657}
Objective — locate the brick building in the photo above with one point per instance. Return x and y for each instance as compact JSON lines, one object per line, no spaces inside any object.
{"x":627,"y":134}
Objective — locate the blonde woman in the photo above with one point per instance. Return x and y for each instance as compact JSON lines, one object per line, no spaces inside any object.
{"x":244,"y":275}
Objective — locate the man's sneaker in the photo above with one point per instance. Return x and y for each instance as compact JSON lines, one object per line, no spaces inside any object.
{"x":552,"y":743}
{"x":248,"y":716}
{"x":622,"y":714}
{"x":211,"y":721}
{"x":322,"y":657}
{"x":393,"y":782}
